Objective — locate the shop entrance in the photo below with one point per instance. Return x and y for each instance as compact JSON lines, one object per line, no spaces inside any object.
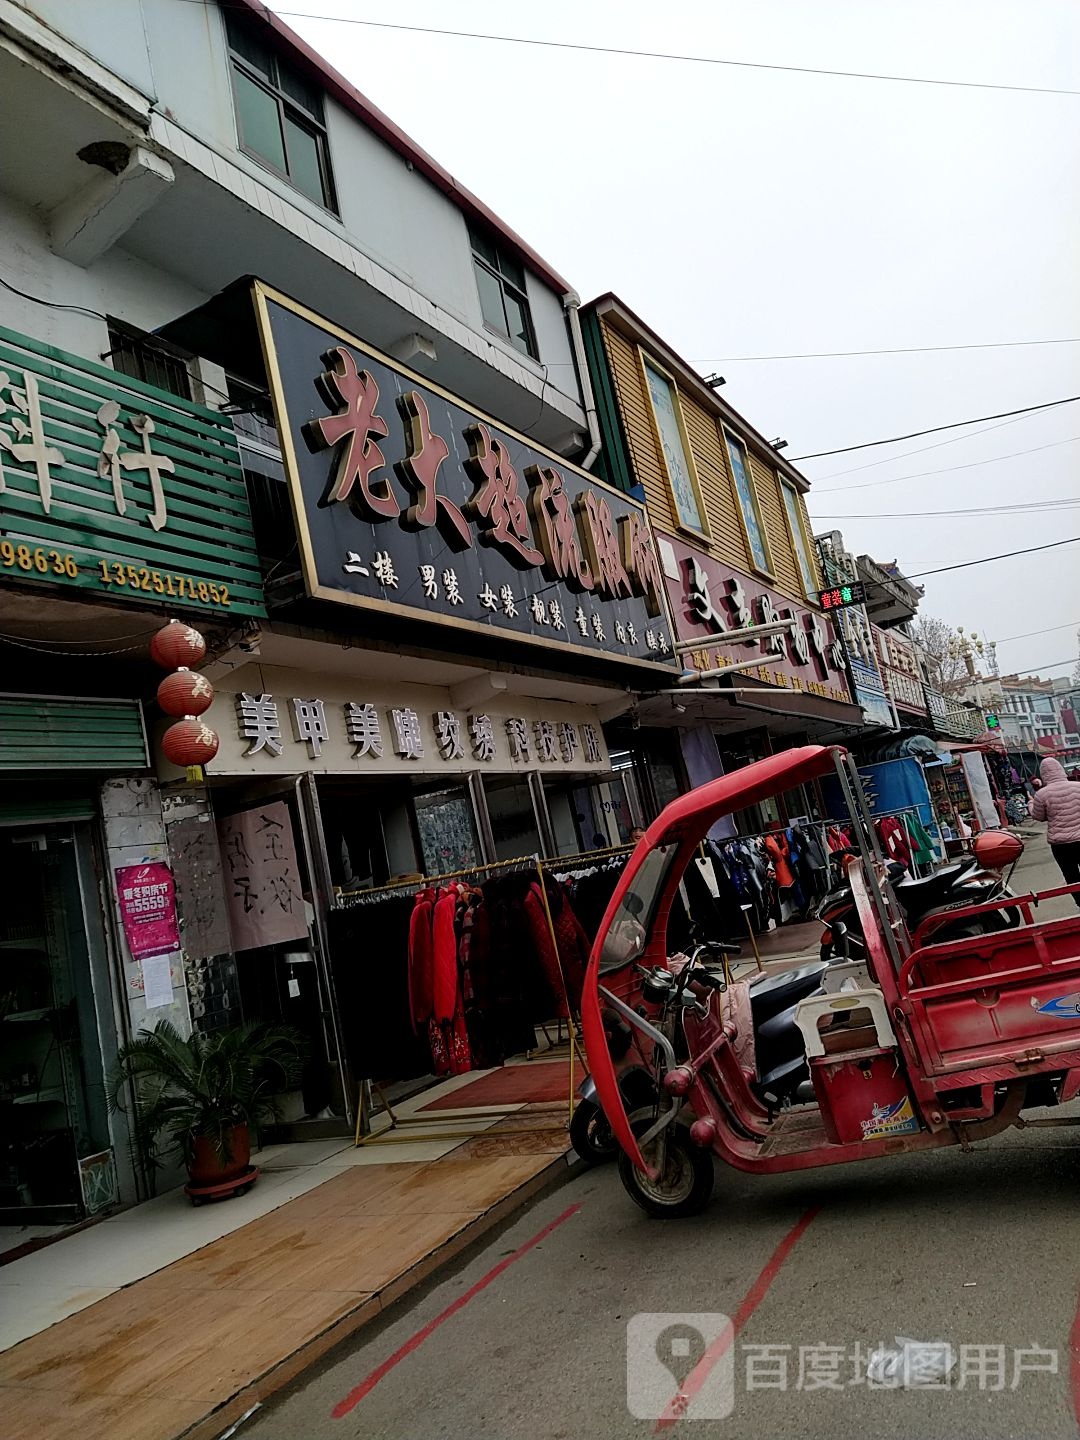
{"x":56,"y":1162}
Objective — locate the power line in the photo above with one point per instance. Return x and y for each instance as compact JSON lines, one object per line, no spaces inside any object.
{"x":986,"y":559}
{"x":904,"y":350}
{"x":149,"y":341}
{"x":947,"y":469}
{"x":1068,"y":625}
{"x":935,"y":429}
{"x":919,"y":450}
{"x":661,"y":54}
{"x":1040,"y":507}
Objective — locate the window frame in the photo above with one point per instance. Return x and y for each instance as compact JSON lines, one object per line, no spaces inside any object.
{"x":729,"y":438}
{"x":127,"y":338}
{"x":646,"y":363}
{"x":287,"y":108}
{"x":786,"y":489}
{"x":506,"y":285}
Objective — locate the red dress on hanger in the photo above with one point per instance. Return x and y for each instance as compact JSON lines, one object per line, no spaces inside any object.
{"x":778,"y":851}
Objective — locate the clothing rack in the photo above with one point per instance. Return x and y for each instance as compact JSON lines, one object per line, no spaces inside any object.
{"x":521,"y":863}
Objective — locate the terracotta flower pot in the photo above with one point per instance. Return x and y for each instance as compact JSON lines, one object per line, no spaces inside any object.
{"x":207,"y":1166}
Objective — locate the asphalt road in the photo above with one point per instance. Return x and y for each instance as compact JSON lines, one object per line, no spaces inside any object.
{"x":528,"y":1339}
{"x":978,"y":1250}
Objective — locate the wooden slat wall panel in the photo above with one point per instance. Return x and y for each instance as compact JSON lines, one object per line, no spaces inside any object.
{"x":771,"y":506}
{"x":207,"y":539}
{"x":727,"y":540}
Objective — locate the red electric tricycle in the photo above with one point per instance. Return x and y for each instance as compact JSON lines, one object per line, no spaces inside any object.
{"x":914,"y":1045}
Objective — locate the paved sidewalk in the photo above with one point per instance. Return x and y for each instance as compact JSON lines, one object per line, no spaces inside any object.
{"x":186,"y":1350}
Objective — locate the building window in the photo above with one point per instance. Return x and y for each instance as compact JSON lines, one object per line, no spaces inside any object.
{"x":748,"y":506}
{"x":144,"y":357}
{"x":671,"y":432}
{"x":279,"y":115}
{"x":793,"y":510}
{"x":500,"y":279}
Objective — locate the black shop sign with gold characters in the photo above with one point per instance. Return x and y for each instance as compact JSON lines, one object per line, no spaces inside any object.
{"x":409,"y":501}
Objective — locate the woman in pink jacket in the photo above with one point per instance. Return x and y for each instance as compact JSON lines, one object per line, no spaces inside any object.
{"x":1058,"y":803}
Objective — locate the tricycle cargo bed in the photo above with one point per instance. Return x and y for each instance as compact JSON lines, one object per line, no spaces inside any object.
{"x":1011,"y":996}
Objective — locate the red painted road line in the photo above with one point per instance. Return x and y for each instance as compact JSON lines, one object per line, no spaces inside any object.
{"x":677,"y":1405}
{"x":414,"y":1342}
{"x":1074,"y":1365}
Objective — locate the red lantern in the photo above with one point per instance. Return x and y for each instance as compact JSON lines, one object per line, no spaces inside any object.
{"x":185,"y":693}
{"x":189,"y":742}
{"x":177,"y":644}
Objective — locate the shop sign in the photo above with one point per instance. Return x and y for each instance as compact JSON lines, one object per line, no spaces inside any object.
{"x":840,"y":596}
{"x":262,"y":877}
{"x":148,"y":909}
{"x":410,"y":502}
{"x":900,"y":669}
{"x":114,"y":487}
{"x":858,"y":640}
{"x":358,"y":728}
{"x":712,"y":602}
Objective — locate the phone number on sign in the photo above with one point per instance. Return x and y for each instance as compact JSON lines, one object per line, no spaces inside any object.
{"x":37,"y":560}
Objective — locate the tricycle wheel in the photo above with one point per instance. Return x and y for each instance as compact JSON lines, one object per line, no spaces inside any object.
{"x":590,"y":1134}
{"x":685,"y":1185}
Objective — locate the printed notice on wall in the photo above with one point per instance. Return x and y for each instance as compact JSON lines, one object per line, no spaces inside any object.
{"x":157,"y":981}
{"x":148,"y":908}
{"x":262,"y":877}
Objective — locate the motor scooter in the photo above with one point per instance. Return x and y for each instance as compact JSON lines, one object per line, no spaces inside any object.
{"x":971,"y":881}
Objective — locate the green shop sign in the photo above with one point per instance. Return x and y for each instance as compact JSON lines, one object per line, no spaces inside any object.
{"x":112,"y":486}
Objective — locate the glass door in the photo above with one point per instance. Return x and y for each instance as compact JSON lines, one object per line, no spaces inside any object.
{"x":53,"y":1109}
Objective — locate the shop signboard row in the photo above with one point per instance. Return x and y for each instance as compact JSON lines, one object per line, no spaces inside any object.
{"x":411,"y":502}
{"x":111,"y":486}
{"x":900,"y":670}
{"x":280,"y":725}
{"x":712,"y":602}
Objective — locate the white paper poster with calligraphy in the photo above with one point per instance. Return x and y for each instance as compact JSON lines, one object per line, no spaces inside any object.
{"x":262,"y":877}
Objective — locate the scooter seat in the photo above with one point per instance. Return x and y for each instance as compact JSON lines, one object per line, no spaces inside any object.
{"x":917,"y":891}
{"x":780,"y":992}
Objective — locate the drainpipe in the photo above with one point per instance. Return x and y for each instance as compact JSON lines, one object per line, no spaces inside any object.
{"x":572,"y":304}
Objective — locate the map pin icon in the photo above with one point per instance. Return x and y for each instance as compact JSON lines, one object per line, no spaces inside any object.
{"x":679,"y":1347}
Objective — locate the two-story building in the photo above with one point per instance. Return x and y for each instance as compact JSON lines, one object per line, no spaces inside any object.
{"x":365,"y":479}
{"x":736,"y":553}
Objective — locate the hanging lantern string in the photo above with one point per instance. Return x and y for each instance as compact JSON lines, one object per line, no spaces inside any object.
{"x":131,"y":635}
{"x":68,"y":654}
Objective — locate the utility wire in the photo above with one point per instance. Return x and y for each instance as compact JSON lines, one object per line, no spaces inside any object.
{"x":918,"y":450}
{"x":659,"y":54}
{"x":1041,"y":507}
{"x":935,"y":429}
{"x":1029,"y":633}
{"x":150,"y":341}
{"x":946,"y":469}
{"x":986,"y":559}
{"x":904,"y":350}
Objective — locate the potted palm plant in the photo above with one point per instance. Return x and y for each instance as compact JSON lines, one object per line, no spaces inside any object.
{"x":201,"y":1097}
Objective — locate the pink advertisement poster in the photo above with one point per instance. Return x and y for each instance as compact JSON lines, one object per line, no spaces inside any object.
{"x":148,"y":908}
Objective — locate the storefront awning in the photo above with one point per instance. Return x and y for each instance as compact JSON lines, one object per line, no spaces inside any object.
{"x":749,"y":706}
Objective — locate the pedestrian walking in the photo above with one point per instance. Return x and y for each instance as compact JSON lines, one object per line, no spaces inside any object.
{"x":1059,"y":805}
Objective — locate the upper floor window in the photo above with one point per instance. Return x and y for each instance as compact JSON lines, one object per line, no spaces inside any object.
{"x":504,"y":303}
{"x":279,"y":115}
{"x":799,"y":540}
{"x":144,"y":357}
{"x":671,"y":431}
{"x":748,"y":506}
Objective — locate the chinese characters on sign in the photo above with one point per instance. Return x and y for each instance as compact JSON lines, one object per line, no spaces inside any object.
{"x":262,"y":878}
{"x":842,"y":595}
{"x":106,"y":485}
{"x":712,"y":603}
{"x":410,"y":498}
{"x":148,"y":909}
{"x":370,"y":730}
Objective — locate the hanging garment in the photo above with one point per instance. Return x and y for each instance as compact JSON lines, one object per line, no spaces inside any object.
{"x":546,"y":951}
{"x":420,"y":961}
{"x":777,"y":847}
{"x":894,"y":840}
{"x":444,"y":992}
{"x":922,"y":852}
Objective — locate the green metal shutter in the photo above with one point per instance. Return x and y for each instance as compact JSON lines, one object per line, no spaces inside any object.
{"x":40,"y":732}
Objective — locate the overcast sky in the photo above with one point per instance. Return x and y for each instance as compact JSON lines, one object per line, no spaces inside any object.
{"x":746,"y":212}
